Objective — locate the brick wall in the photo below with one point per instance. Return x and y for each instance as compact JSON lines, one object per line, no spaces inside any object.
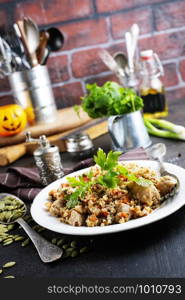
{"x":89,"y":25}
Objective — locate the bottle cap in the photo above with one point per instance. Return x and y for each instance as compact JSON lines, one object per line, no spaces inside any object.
{"x":146,"y":54}
{"x":78,"y":142}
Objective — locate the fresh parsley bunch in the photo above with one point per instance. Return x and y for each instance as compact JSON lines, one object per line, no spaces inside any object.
{"x":110,"y":99}
{"x":110,"y":178}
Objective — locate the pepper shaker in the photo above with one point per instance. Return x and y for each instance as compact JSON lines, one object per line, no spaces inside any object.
{"x":47,"y":159}
{"x":79,"y":145}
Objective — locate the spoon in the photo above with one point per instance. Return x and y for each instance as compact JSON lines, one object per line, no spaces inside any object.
{"x":44,"y":36}
{"x":110,"y":62}
{"x":55,"y":42}
{"x":121,"y":59}
{"x":47,"y":251}
{"x":157,"y":152}
{"x":134,"y":30}
{"x":32,"y":36}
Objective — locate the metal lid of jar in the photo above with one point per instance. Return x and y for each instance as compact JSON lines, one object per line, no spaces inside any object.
{"x":78,"y":142}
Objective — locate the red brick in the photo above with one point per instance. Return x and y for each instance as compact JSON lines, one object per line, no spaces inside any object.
{"x":122,"y":22}
{"x":5,"y":100}
{"x":169,"y":15}
{"x":5,"y":1}
{"x":84,"y":33}
{"x":165,"y":45}
{"x":58,"y":68}
{"x":3,"y":17}
{"x":178,"y":93}
{"x":47,"y":11}
{"x":170,"y":78}
{"x":117,"y":48}
{"x":112,"y":5}
{"x":85,"y":63}
{"x":101,"y":80}
{"x":182,"y":69}
{"x":170,"y":75}
{"x":68,"y":95}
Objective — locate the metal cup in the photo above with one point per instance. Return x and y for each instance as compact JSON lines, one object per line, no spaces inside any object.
{"x":19,"y":87}
{"x":41,"y":94}
{"x":128,"y":131}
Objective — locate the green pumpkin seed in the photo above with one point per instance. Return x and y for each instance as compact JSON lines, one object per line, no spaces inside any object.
{"x":66,"y":254}
{"x":10,"y":276}
{"x":7,"y":239}
{"x":54,"y":241}
{"x":35,"y":227}
{"x":84,"y":250}
{"x":74,"y":253}
{"x":69,"y":250}
{"x":60,"y":242}
{"x":73,"y":244}
{"x":7,"y":243}
{"x":11,"y":227}
{"x":41,"y":229}
{"x":25,"y":243}
{"x":9,"y":264}
{"x":65,"y":246}
{"x":19,"y":238}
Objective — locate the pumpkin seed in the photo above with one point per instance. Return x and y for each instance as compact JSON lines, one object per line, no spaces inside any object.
{"x":74,"y":253}
{"x":35,"y":227}
{"x":69,"y":250}
{"x":25,"y":243}
{"x":60,"y":242}
{"x":10,"y":276}
{"x":66,"y":254}
{"x":41,"y":229}
{"x":65,"y":246}
{"x":84,"y":250}
{"x":11,"y":209}
{"x":54,"y":241}
{"x":7,"y":243}
{"x":11,"y":227}
{"x":9,"y":264}
{"x":19,"y":238}
{"x":1,"y":271}
{"x":73,"y":244}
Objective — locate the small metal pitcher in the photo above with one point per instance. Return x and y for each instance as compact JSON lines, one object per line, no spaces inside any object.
{"x":128,"y":131}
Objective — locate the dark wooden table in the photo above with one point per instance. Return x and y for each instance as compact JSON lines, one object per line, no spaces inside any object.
{"x":156,"y":250}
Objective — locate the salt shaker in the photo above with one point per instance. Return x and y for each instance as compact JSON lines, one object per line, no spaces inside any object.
{"x":47,"y":159}
{"x":79,"y":145}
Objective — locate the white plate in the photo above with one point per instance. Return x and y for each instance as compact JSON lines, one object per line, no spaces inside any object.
{"x":43,"y":218}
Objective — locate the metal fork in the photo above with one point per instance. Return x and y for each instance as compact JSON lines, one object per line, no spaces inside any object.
{"x":157,"y":152}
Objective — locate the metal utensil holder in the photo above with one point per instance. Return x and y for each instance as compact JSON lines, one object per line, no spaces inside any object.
{"x":19,"y":87}
{"x":34,"y":86}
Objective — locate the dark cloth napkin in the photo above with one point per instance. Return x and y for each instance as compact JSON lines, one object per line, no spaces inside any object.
{"x":25,"y":182}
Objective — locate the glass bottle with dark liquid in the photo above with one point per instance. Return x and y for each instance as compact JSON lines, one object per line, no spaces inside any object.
{"x":151,"y":88}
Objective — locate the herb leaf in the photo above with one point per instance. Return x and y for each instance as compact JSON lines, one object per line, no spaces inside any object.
{"x":110,"y":99}
{"x":109,"y":180}
{"x":131,"y":177}
{"x":106,"y":162}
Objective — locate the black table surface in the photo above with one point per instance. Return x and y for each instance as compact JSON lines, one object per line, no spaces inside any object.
{"x":156,"y":250}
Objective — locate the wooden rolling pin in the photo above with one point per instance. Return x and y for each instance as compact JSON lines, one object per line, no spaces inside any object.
{"x":12,"y":153}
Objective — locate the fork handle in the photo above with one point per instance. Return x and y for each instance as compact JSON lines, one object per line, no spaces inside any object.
{"x":162,"y":167}
{"x":47,"y":251}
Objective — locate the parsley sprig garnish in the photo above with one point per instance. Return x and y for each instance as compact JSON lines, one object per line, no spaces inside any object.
{"x":111,"y":177}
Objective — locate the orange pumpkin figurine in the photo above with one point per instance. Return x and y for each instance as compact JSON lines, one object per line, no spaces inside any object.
{"x":12,"y":119}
